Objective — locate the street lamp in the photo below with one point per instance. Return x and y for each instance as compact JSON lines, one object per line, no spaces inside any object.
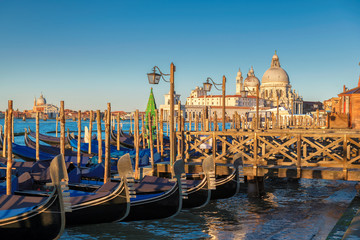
{"x":207,"y":88}
{"x":154,"y":78}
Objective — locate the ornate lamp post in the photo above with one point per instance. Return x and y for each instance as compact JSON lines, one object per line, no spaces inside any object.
{"x":207,"y":88}
{"x":154,"y":78}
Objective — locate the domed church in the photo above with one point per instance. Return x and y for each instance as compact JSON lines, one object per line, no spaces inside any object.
{"x":275,"y":82}
{"x":48,"y":110}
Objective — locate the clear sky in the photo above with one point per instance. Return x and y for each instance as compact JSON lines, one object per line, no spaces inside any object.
{"x":88,"y":53}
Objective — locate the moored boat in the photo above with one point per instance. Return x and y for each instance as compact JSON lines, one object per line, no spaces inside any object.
{"x":228,"y":185}
{"x":157,"y":198}
{"x":108,"y":203}
{"x":35,"y":214}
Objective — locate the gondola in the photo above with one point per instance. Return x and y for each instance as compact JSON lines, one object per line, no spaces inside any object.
{"x":27,"y":153}
{"x":34,"y":214}
{"x":53,"y":141}
{"x":108,"y":203}
{"x":127,"y":135}
{"x":198,"y":192}
{"x":114,"y":153}
{"x":84,"y":147}
{"x":70,"y":156}
{"x":228,"y":185}
{"x":127,"y":142}
{"x":152,"y":201}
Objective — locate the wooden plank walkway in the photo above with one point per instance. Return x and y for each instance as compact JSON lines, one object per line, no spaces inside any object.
{"x":296,"y":153}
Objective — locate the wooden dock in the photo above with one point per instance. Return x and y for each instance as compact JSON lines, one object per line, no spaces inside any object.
{"x":293,"y":153}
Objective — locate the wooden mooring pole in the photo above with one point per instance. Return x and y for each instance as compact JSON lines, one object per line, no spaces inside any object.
{"x":5,"y":132}
{"x":118,"y":133}
{"x":9,"y":148}
{"x":62,"y":128}
{"x":37,"y":137}
{"x":157,"y":132}
{"x":137,"y":143}
{"x":151,"y":142}
{"x":99,"y":137}
{"x":79,"y":140}
{"x":162,"y":132}
{"x":107,"y":144}
{"x":130,"y":131}
{"x":258,"y":120}
{"x":90,"y":129}
{"x":56,"y":127}
{"x":143,"y":132}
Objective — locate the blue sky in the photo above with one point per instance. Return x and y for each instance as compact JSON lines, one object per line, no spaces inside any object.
{"x":88,"y":53}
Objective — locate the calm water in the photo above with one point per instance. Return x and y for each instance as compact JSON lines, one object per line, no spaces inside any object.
{"x":304,"y":209}
{"x":307,"y":209}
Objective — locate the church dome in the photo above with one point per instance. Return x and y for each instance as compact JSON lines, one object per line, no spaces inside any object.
{"x":275,"y":74}
{"x":251,"y":80}
{"x":41,"y":100}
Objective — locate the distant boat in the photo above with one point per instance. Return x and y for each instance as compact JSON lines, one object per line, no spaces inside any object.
{"x":24,"y":118}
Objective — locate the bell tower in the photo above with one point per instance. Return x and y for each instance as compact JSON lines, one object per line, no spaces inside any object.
{"x":239,"y":82}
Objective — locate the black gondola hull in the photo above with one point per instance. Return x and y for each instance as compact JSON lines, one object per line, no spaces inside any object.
{"x":167,"y":205}
{"x":42,"y":223}
{"x":226,"y":187}
{"x":197,"y":199}
{"x":110,"y":208}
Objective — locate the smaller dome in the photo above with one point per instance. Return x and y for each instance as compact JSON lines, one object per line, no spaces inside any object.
{"x":275,"y":57}
{"x":41,"y":100}
{"x":251,"y":80}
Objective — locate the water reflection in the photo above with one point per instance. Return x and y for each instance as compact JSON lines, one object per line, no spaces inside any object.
{"x":307,"y":209}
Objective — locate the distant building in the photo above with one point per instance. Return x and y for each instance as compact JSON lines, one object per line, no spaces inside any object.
{"x":274,"y":89}
{"x":166,"y":107}
{"x":332,"y":104}
{"x":310,"y":106}
{"x":46,"y":110}
{"x":199,"y":100}
{"x":275,"y":82}
{"x":350,"y":104}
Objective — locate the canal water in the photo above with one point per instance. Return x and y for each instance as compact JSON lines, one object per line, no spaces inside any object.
{"x":296,"y":209}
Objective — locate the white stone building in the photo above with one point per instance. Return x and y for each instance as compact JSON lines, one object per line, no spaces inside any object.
{"x":276,"y":81}
{"x":45,"y":109}
{"x":166,"y":107}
